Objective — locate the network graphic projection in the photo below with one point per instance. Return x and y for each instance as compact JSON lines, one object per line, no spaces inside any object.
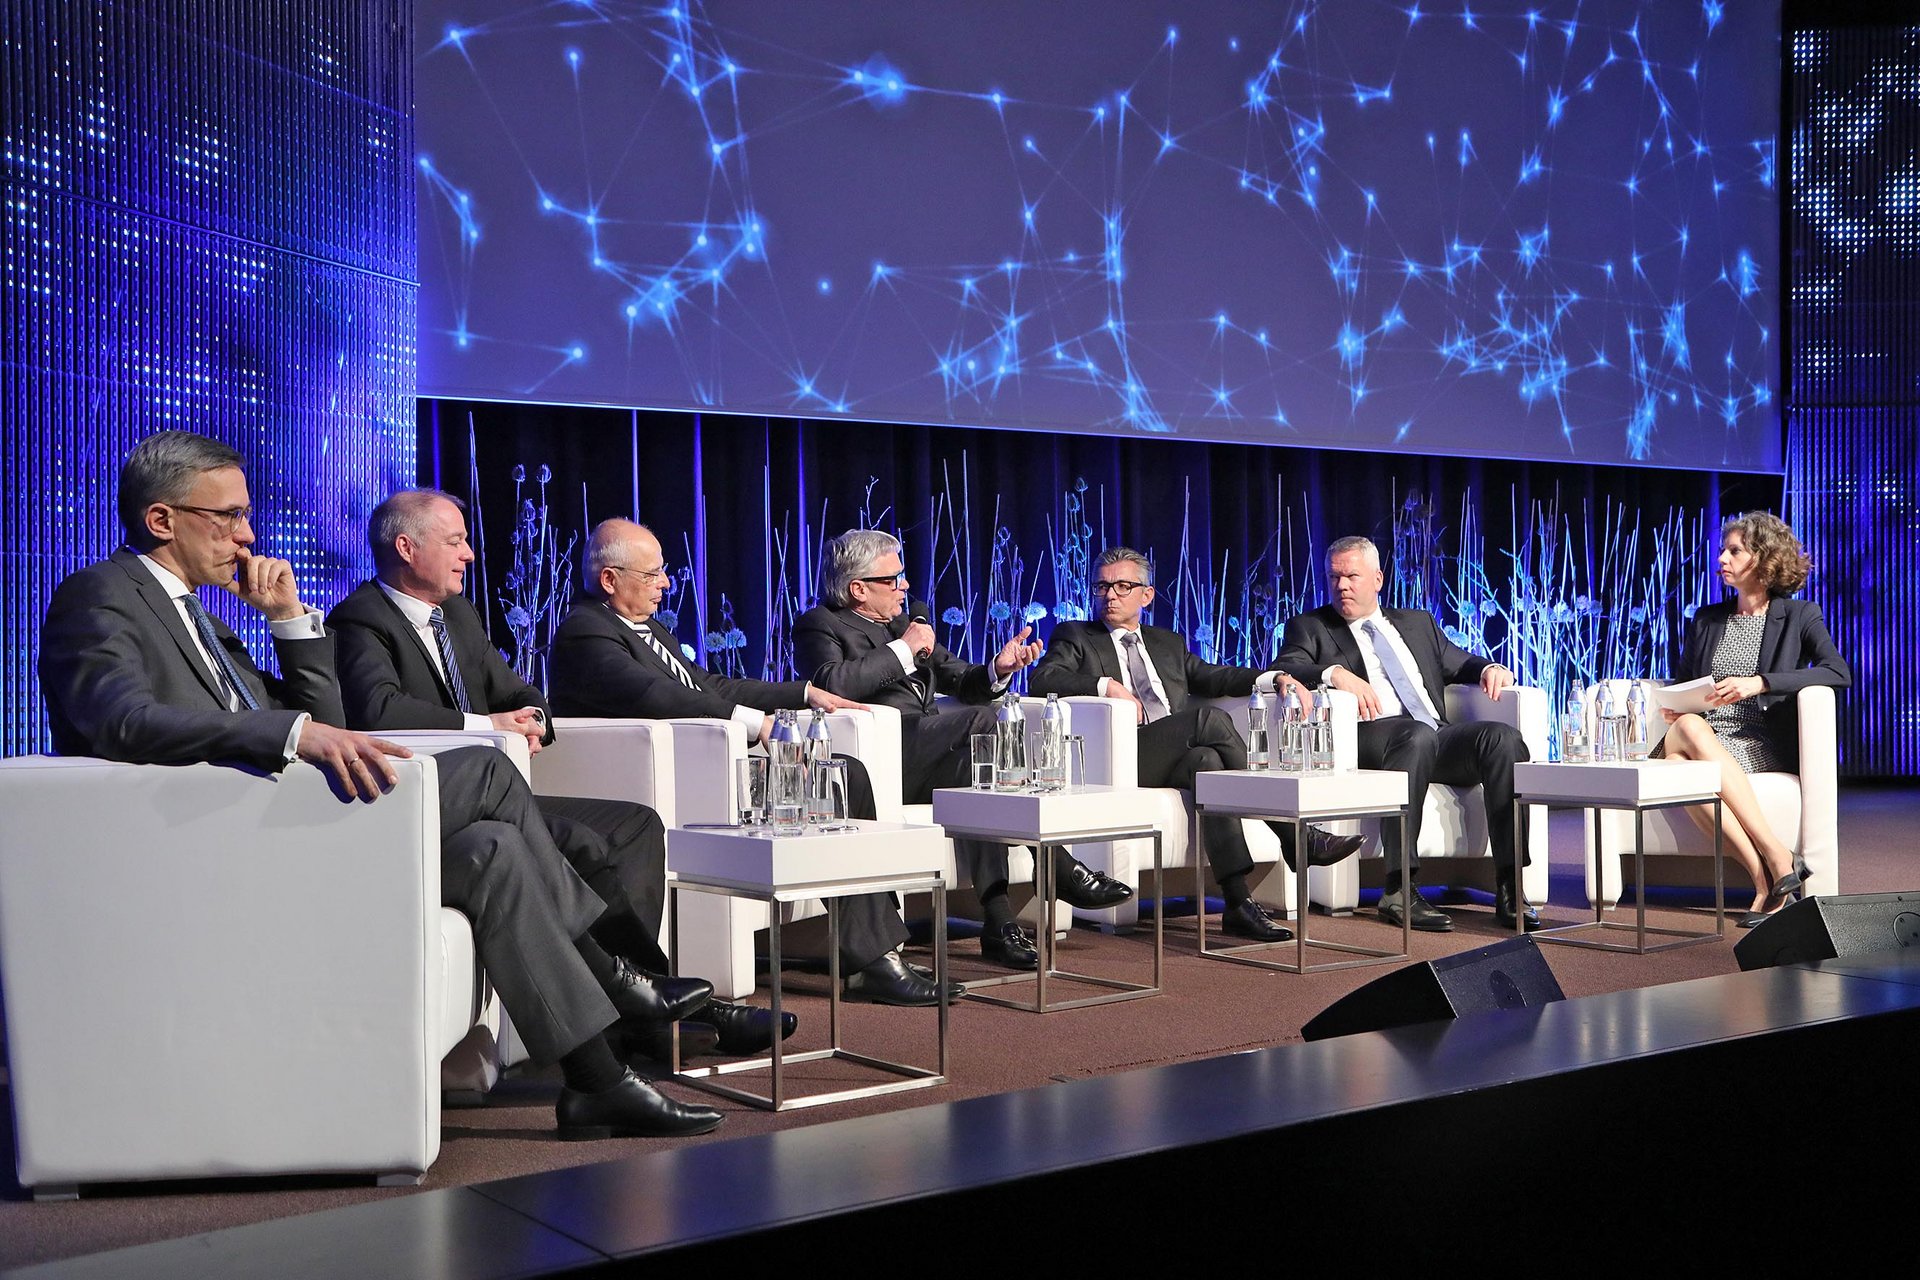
{"x":1544,"y":231}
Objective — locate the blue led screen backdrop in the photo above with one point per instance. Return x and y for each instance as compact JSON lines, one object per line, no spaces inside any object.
{"x":1545,"y":230}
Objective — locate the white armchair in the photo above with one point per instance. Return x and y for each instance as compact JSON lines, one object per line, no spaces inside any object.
{"x":209,"y":972}
{"x":1802,"y":808}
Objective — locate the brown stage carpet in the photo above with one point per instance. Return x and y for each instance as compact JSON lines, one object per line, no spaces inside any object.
{"x":1208,"y":1009}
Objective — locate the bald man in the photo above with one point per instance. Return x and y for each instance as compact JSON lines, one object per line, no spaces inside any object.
{"x":613,"y":657}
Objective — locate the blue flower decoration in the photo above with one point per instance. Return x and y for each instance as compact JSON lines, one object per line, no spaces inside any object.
{"x":1561,"y":613}
{"x":953,"y":617}
{"x":686,"y":651}
{"x":999,"y":611}
{"x":1583,"y":604}
{"x":736,"y":639}
{"x":518,"y":619}
{"x":1638,"y":613}
{"x":1069,"y":613}
{"x":715,"y":641}
{"x":667,"y":618}
{"x":1688,"y":612}
{"x":1203,"y":634}
{"x":544,"y":474}
{"x":519,"y":474}
{"x":1034,"y":611}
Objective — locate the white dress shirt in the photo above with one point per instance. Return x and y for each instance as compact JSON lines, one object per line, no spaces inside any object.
{"x":419,"y":615}
{"x":1263,"y":682}
{"x":1390,"y":704}
{"x":307,"y":626}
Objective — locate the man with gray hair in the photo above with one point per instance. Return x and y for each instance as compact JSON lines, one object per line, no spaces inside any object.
{"x":861,"y":641}
{"x":1397,"y":662}
{"x":413,"y":653}
{"x":1152,"y":669}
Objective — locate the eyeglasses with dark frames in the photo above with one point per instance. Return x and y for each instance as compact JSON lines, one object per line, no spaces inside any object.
{"x":1122,"y":588}
{"x":225,"y":519}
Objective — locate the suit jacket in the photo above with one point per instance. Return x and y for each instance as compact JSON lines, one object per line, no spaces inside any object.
{"x":1317,"y":640}
{"x":123,"y":679}
{"x":1796,"y":652}
{"x":1080,"y":653}
{"x":847,"y":654}
{"x":388,"y":680}
{"x":599,"y":666}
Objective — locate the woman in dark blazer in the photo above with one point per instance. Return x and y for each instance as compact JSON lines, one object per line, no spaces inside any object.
{"x":1761,"y":648}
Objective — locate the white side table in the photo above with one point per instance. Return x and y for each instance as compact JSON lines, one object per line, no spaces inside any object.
{"x":755,"y":863}
{"x":1638,"y":785}
{"x":1299,"y":798}
{"x":1043,"y":820}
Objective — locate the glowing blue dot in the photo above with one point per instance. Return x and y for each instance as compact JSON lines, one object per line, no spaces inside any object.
{"x":577,"y":353}
{"x":825,"y":286}
{"x":632,"y":311}
{"x":573,"y":58}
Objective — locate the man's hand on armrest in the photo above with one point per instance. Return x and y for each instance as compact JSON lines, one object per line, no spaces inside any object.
{"x":820,"y":700}
{"x":1341,"y":678}
{"x":356,"y":761}
{"x":525,"y":721}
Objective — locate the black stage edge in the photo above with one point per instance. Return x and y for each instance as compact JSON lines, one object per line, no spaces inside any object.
{"x":1744,"y":1118}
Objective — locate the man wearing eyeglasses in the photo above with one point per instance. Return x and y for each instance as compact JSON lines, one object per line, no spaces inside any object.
{"x":613,"y":657}
{"x":414,"y":654}
{"x":1152,"y":669}
{"x":134,"y":668}
{"x":860,"y":643}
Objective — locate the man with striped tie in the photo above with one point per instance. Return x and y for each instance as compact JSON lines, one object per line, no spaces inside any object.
{"x":1398,"y":662}
{"x":414,"y":654}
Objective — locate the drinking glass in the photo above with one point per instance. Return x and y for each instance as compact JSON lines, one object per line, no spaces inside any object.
{"x":1319,"y":753}
{"x":750,"y":790}
{"x":1077,"y":759}
{"x":787,"y":797}
{"x":1049,"y":762}
{"x":827,"y":796}
{"x":983,"y":756}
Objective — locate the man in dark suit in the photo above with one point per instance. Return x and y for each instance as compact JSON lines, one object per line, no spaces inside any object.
{"x":1397,"y":662}
{"x":860,"y":643}
{"x":414,"y":654}
{"x":1152,"y":669}
{"x":613,"y":657}
{"x":134,"y":668}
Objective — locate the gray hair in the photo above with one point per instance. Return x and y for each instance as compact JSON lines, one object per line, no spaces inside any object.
{"x":1354,"y":542}
{"x":1125,"y":555}
{"x":606,"y":549}
{"x":403,"y":513}
{"x":851,"y":556}
{"x":164,"y":468}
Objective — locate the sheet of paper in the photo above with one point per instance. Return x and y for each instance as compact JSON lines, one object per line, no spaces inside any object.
{"x":1688,"y":696}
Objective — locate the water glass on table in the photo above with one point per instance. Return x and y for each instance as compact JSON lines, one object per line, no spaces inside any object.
{"x":827,"y":795}
{"x":750,"y":790}
{"x":787,"y":796}
{"x":983,"y":758}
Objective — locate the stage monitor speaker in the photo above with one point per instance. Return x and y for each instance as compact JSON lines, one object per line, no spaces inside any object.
{"x":1506,"y":975}
{"x":1822,"y":928}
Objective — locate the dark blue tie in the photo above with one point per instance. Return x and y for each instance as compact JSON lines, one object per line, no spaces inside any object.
{"x":203,"y":623}
{"x":441,"y":641}
{"x":1403,"y":686}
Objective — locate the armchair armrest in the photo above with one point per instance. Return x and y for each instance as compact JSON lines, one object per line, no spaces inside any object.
{"x":434,"y":741}
{"x":599,"y":758}
{"x":873,"y":738}
{"x":1520,"y":706}
{"x":704,"y":751}
{"x":245,"y":939}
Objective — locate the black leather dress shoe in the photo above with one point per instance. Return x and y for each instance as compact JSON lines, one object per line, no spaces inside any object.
{"x":888,"y":980}
{"x":954,"y":989}
{"x":1421,"y":913}
{"x":1503,"y":901}
{"x":1010,"y":946}
{"x":631,"y":1109}
{"x":742,"y":1027}
{"x":1248,"y":919}
{"x":655,"y":1000}
{"x":1325,"y":848}
{"x":1081,"y":886}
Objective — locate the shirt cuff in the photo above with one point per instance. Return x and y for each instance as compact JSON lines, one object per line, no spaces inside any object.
{"x":305,"y":627}
{"x":1326,"y":676}
{"x":1107,"y":686}
{"x":1265,"y":681}
{"x":299,"y":724}
{"x":751,"y":719}
{"x":474,"y":720}
{"x":899,"y":650}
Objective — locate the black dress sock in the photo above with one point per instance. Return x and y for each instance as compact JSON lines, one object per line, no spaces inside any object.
{"x":590,"y":1066}
{"x":995,"y":907}
{"x":599,"y":963}
{"x":1234,"y":888}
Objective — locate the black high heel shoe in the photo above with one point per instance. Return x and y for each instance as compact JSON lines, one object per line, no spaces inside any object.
{"x":1754,"y":919}
{"x":1791,"y":882}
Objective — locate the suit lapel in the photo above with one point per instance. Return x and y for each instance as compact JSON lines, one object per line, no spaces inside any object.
{"x":1344,"y":645}
{"x":167,"y":615}
{"x":419,"y":648}
{"x":1776,"y":631}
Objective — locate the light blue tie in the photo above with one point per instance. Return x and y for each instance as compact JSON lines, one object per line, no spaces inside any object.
{"x":1403,"y":686}
{"x":203,"y":623}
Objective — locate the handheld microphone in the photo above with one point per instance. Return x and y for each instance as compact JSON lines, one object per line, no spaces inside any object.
{"x":918,"y":611}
